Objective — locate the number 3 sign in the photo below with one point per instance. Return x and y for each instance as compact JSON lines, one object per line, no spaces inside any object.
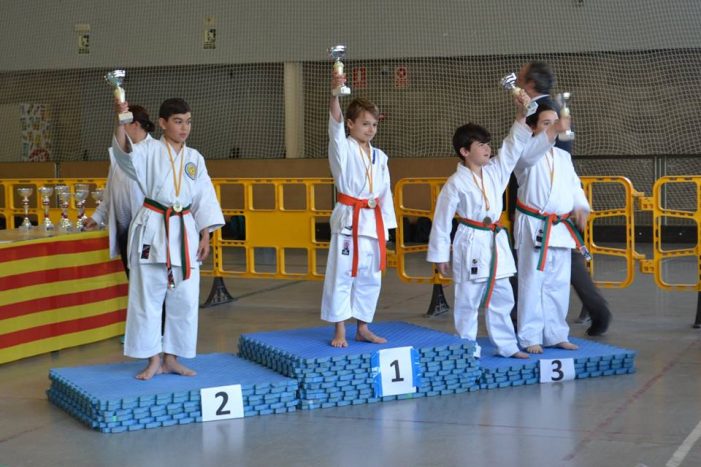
{"x":221,"y":403}
{"x":395,"y":371}
{"x":554,"y":371}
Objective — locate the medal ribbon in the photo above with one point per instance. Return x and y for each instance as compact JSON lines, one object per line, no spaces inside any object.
{"x":177,"y":182}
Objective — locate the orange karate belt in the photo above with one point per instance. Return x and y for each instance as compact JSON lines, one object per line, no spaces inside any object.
{"x":495,"y":228}
{"x":167,"y":213}
{"x":549,"y":220}
{"x":357,"y":205}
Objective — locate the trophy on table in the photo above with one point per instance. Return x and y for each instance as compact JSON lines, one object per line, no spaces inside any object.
{"x":508,"y":82}
{"x":337,"y":52}
{"x":564,"y":100}
{"x":46,"y":192}
{"x":82,"y":190}
{"x":115,"y":79}
{"x":63,"y":193}
{"x":25,"y":192}
{"x":97,"y":196}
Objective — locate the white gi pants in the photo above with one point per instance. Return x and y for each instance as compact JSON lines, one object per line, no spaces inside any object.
{"x":543,"y":296}
{"x":500,"y":329}
{"x":148,"y":287}
{"x":345,"y":296}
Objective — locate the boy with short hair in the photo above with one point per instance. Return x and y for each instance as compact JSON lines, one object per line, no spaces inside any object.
{"x":482,"y":259}
{"x":551,"y":206}
{"x":168,"y":238}
{"x":360,"y":220}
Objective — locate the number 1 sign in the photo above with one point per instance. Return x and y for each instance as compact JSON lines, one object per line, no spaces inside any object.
{"x":395,"y":371}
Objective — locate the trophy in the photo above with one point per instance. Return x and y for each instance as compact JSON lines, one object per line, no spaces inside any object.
{"x":82,"y":190}
{"x":115,"y":79}
{"x":25,"y":193}
{"x":64,"y":197}
{"x":564,"y":100}
{"x":337,"y":52}
{"x":46,"y":192}
{"x":508,"y":82}
{"x":97,"y":196}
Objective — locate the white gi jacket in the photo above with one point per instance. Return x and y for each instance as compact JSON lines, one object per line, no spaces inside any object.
{"x":121,"y":200}
{"x":348,"y":167}
{"x":472,"y":248}
{"x":148,"y":163}
{"x":562,"y":197}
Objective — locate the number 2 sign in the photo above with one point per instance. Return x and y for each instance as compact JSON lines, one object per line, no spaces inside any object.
{"x":395,"y":371}
{"x":221,"y":402}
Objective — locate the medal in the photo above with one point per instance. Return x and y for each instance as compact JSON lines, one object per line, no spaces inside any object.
{"x":177,"y":207}
{"x":487,"y":220}
{"x":372,"y":203}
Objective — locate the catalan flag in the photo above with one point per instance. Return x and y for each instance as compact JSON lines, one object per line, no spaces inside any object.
{"x":59,"y":292}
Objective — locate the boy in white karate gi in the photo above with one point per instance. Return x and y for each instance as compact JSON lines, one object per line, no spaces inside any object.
{"x":550,"y":209}
{"x":360,"y":220}
{"x":482,"y":259}
{"x":168,"y":238}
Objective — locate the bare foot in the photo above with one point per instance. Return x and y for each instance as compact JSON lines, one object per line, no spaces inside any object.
{"x":172,"y":365}
{"x":364,"y":334}
{"x":153,"y":368}
{"x":567,"y":346}
{"x":534,"y":349}
{"x":339,"y":339}
{"x":522,"y":355}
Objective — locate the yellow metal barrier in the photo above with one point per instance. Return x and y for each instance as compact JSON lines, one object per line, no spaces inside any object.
{"x":659,"y":214}
{"x":626,"y":211}
{"x":281,"y":215}
{"x":433,"y":185}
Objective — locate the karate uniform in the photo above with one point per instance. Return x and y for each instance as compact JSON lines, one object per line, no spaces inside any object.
{"x":543,"y":296}
{"x":344,"y":295}
{"x":148,"y":163}
{"x":121,"y":199}
{"x":473,"y":247}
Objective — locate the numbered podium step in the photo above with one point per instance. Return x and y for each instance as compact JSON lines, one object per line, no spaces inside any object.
{"x":415,"y":362}
{"x":590,"y":360}
{"x":108,"y":398}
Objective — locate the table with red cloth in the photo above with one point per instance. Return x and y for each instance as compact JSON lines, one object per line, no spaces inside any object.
{"x":58,"y":290}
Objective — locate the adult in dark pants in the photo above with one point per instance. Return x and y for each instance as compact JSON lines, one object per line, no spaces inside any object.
{"x":537,"y":79}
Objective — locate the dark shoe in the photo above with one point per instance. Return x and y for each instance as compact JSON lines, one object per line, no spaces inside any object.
{"x":599,"y":326}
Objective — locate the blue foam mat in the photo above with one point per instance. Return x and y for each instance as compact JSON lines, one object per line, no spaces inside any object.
{"x":108,"y":398}
{"x":591,"y":359}
{"x":116,"y":381}
{"x":330,"y":377}
{"x":315,"y":342}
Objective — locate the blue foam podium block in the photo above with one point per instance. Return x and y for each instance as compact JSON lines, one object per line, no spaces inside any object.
{"x":332,"y":377}
{"x":108,"y":398}
{"x":591,"y":359}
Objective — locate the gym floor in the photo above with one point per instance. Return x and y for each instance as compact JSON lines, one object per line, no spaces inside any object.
{"x":650,"y":418}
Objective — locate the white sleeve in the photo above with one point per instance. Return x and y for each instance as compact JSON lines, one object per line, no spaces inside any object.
{"x":205,"y":205}
{"x":389,"y":217}
{"x":337,"y":147}
{"x":534,"y":150}
{"x":439,"y":240}
{"x":510,"y":151}
{"x":124,"y":159}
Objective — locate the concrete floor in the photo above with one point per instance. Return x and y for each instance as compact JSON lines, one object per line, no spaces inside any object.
{"x":633,"y":420}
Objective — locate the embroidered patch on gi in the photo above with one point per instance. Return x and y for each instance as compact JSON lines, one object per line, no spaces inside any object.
{"x":191,"y":170}
{"x":346,"y":247}
{"x":145,"y":251}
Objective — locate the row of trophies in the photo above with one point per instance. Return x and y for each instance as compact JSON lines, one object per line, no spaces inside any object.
{"x":64,"y":195}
